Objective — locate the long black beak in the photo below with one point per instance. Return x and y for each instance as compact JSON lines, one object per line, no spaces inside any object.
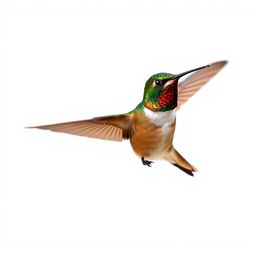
{"x":187,"y":72}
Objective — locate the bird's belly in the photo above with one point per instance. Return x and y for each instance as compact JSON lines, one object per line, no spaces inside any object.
{"x":152,"y":142}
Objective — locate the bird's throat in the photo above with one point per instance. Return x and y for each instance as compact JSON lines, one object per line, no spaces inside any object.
{"x":165,"y":101}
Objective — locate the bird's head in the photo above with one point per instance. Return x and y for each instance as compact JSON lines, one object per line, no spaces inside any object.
{"x":161,"y":91}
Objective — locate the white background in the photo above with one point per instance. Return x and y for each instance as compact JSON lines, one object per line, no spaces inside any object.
{"x":71,"y":60}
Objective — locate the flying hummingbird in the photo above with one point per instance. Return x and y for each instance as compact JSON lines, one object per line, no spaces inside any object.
{"x":150,"y":126}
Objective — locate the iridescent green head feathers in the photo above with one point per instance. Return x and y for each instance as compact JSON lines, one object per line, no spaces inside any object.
{"x":161,"y":91}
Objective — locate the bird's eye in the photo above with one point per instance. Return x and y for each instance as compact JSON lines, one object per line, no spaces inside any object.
{"x":158,"y":82}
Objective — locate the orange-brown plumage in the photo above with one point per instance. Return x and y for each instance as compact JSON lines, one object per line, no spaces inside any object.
{"x":149,"y":140}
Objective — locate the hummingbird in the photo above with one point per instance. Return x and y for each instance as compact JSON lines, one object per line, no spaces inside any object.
{"x":150,"y":126}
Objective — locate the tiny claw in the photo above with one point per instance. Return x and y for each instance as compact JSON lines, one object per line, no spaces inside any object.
{"x":146,"y":162}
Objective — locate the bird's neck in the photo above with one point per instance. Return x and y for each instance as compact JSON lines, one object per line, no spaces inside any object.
{"x":166,"y":118}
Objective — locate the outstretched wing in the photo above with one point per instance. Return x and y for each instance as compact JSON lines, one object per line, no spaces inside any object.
{"x":196,"y":81}
{"x":115,"y":128}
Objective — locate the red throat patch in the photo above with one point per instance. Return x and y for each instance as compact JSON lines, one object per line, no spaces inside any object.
{"x":167,"y":100}
{"x":168,"y":97}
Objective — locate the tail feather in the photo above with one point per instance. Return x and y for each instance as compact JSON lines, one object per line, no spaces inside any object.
{"x":175,"y":158}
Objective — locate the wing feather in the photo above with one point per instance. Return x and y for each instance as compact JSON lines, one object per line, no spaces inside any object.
{"x":114,"y":128}
{"x":196,"y":81}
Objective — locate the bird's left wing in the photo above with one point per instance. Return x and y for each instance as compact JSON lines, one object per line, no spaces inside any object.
{"x":114,"y":128}
{"x":196,"y":81}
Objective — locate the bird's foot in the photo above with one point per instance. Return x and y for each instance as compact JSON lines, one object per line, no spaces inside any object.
{"x":146,"y":162}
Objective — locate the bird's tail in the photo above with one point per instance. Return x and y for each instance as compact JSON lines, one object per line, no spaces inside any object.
{"x":175,"y":158}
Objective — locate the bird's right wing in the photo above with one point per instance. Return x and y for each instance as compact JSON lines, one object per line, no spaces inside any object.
{"x":115,"y":128}
{"x":196,"y":81}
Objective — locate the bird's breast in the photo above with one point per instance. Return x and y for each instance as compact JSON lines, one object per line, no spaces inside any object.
{"x":153,"y":133}
{"x":162,"y":119}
